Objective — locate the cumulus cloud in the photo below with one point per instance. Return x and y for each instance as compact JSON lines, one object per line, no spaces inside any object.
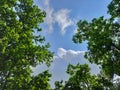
{"x":49,"y":20}
{"x":63,"y":19}
{"x":69,"y":55}
{"x":61,"y":52}
{"x":61,"y":61}
{"x":46,"y":2}
{"x":65,"y":57}
{"x":74,"y":57}
{"x":60,"y":17}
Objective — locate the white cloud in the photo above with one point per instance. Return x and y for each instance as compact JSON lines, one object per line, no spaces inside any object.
{"x":49,"y":20}
{"x":65,"y":57}
{"x":61,"y":52}
{"x":46,"y":2}
{"x":39,"y":69}
{"x":74,"y":57}
{"x":61,"y":61}
{"x":69,"y":55}
{"x":60,"y":17}
{"x":63,"y":19}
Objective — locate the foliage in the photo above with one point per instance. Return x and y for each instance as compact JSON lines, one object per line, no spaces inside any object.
{"x":40,"y":82}
{"x":59,"y":85}
{"x":82,"y":79}
{"x":114,"y":8}
{"x":20,"y":47}
{"x":103,"y":36}
{"x":116,"y":85}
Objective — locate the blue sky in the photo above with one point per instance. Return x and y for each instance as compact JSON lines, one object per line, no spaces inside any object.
{"x":60,"y":26}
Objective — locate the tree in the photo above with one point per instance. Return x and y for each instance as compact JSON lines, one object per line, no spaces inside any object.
{"x":116,"y":85}
{"x":82,"y":79}
{"x":59,"y":85}
{"x":103,"y":37}
{"x":20,"y":47}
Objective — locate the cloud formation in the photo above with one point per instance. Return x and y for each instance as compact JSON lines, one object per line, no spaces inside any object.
{"x":65,"y":57}
{"x":46,"y":2}
{"x":61,"y":17}
{"x":49,"y":20}
{"x":71,"y":55}
{"x":61,"y":61}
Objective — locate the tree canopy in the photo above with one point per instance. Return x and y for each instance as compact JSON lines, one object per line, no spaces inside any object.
{"x":103,"y":37}
{"x":20,"y":47}
{"x":81,"y":78}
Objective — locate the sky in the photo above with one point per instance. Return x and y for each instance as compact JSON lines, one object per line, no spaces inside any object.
{"x":59,"y":27}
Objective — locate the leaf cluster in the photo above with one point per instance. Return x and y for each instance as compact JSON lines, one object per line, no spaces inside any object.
{"x":20,"y":47}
